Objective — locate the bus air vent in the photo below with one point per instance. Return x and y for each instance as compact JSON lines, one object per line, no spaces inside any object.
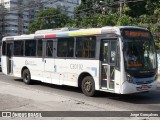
{"x":55,"y":30}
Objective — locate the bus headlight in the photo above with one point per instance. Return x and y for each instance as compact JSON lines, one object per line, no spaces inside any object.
{"x":129,"y":78}
{"x":156,"y":77}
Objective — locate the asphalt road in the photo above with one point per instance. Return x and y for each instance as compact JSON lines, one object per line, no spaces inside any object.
{"x":15,"y":95}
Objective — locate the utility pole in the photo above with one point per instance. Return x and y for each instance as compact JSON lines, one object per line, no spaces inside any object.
{"x":121,"y":6}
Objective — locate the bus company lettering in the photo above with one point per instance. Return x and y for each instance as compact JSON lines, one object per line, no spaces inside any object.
{"x":27,"y":62}
{"x":76,"y":66}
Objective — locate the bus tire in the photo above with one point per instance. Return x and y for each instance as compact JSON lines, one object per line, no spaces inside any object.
{"x":26,"y":76}
{"x":88,"y":86}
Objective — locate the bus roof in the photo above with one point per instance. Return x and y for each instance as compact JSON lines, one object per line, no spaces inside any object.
{"x":134,"y":27}
{"x":70,"y":32}
{"x":30,"y":36}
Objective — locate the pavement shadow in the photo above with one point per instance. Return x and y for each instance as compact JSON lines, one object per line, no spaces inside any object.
{"x":19,"y":80}
{"x":59,"y":87}
{"x":152,"y":97}
{"x":62,"y":87}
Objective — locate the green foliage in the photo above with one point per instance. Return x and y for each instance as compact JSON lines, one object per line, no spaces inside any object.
{"x":141,"y":13}
{"x":125,"y":20}
{"x":98,"y":20}
{"x":151,"y":5}
{"x":48,"y":19}
{"x":92,"y":13}
{"x":135,"y":9}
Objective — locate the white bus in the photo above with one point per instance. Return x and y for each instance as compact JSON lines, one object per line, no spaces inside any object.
{"x":120,"y":59}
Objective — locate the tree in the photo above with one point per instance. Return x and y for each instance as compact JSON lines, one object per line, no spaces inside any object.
{"x":85,"y":9}
{"x":99,"y":20}
{"x":125,"y":20}
{"x":146,"y":13}
{"x":48,"y":19}
{"x":135,"y":9}
{"x":152,"y":5}
{"x":93,"y":13}
{"x":92,"y":7}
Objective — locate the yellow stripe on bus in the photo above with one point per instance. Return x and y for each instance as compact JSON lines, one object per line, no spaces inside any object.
{"x":85,"y":32}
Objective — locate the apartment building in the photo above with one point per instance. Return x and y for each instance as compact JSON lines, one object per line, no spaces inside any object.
{"x":15,"y":18}
{"x":17,"y":15}
{"x":66,"y":6}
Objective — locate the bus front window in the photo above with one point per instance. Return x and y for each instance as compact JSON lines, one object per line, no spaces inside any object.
{"x":139,"y":53}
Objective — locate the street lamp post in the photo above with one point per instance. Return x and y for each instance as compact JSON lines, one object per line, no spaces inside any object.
{"x":120,"y":2}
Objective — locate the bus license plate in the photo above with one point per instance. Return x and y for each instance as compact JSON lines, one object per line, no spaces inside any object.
{"x":144,"y":87}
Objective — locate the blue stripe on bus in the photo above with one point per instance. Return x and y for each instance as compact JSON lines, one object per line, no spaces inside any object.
{"x":95,"y":70}
{"x":62,"y":34}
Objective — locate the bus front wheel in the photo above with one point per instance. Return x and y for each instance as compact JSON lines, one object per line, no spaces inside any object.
{"x":26,"y":77}
{"x":88,"y":86}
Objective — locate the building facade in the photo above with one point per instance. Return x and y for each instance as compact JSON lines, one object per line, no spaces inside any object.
{"x":17,"y":14}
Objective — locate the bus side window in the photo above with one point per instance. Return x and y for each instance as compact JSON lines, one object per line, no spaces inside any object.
{"x":113,"y":51}
{"x":30,"y":49}
{"x":118,"y":56}
{"x":49,"y":48}
{"x":39,"y":48}
{"x":86,"y":47}
{"x":65,"y":47}
{"x":4,"y":48}
{"x":18,"y":48}
{"x":104,"y":53}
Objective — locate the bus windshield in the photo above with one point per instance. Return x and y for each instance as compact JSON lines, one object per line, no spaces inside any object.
{"x":139,"y":50}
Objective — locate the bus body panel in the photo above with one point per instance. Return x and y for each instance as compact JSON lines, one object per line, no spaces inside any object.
{"x":4,"y":64}
{"x":48,"y":70}
{"x":117,"y":82}
{"x":35,"y":65}
{"x":70,"y":69}
{"x":60,"y":71}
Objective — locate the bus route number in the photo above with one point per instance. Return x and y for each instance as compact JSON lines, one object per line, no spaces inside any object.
{"x":76,"y":66}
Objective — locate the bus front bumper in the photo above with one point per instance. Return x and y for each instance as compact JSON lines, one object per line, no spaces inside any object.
{"x":129,"y":88}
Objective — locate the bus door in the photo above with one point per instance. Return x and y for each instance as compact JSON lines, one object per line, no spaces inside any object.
{"x":108,"y":54}
{"x":49,"y":61}
{"x":9,"y":57}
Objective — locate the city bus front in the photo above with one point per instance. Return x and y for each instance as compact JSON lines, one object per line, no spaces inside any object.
{"x":140,"y":61}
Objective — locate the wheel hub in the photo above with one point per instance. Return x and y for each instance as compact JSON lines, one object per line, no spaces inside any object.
{"x":26,"y":76}
{"x":88,"y":86}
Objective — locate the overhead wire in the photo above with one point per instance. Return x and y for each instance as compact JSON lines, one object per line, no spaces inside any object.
{"x":36,"y":4}
{"x":87,"y":10}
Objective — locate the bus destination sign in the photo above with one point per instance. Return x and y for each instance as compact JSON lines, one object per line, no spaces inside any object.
{"x":129,"y":33}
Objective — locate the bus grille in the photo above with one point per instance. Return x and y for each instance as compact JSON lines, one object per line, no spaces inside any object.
{"x":144,"y":82}
{"x":144,"y":75}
